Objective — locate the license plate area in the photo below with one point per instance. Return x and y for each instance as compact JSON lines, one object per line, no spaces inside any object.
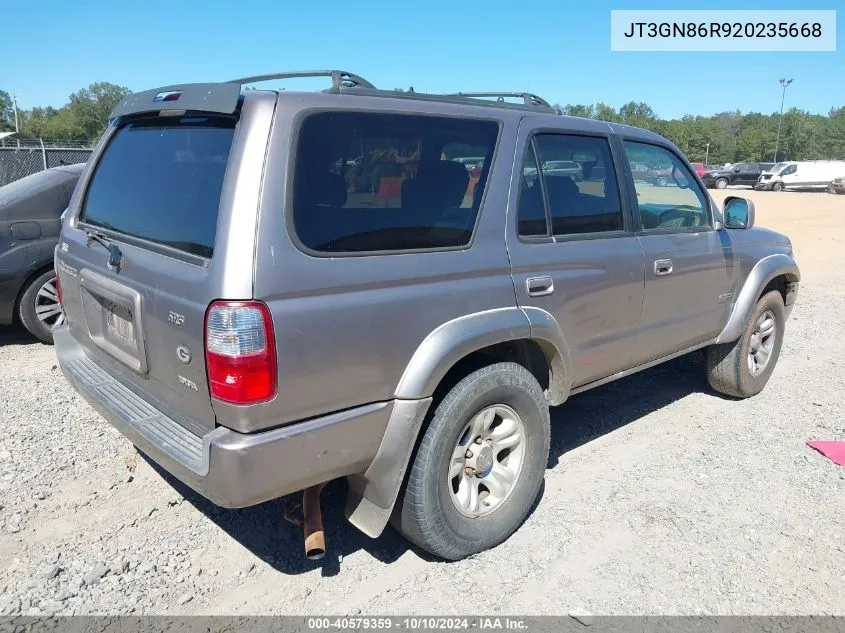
{"x":113,"y":317}
{"x":119,"y":322}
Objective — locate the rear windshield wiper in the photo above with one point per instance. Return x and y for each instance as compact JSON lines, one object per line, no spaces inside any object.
{"x":115,"y":256}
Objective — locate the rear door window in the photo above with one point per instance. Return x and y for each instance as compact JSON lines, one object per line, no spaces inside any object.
{"x":375,"y":182}
{"x":160,"y":180}
{"x":577,"y":183}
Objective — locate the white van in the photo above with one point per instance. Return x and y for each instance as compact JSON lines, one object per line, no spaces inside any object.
{"x":801,"y":175}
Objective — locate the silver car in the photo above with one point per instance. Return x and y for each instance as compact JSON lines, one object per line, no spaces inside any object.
{"x":259,"y":325}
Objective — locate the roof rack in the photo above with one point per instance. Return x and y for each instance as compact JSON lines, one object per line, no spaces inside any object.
{"x":340,"y":78}
{"x":527,"y":98}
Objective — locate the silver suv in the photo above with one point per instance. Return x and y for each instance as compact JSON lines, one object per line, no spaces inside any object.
{"x":266,"y":290}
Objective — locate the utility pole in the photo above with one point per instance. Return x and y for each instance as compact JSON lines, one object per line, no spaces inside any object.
{"x":707,"y":156}
{"x":784,"y":84}
{"x":15,"y":105}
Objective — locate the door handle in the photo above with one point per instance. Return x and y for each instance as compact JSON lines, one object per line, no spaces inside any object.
{"x":539,"y":286}
{"x":662,"y":266}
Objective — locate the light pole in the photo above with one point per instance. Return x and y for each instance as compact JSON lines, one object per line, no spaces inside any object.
{"x":784,"y":83}
{"x":707,"y":156}
{"x":15,"y":105}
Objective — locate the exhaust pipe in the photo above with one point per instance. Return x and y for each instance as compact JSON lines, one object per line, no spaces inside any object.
{"x":308,"y":515}
{"x":315,"y":537}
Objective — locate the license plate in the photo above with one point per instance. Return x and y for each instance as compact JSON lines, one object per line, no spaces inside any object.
{"x":119,"y":322}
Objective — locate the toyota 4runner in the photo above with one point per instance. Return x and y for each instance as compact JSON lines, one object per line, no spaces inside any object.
{"x":266,"y":290}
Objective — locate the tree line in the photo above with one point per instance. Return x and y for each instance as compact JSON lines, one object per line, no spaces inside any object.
{"x":726,"y":137}
{"x":83,"y":118}
{"x":733,"y":136}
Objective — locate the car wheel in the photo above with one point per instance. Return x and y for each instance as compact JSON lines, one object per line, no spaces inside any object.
{"x":721,"y":183}
{"x":742,"y":368}
{"x":830,"y":188}
{"x":39,"y":309}
{"x":662,"y":181}
{"x":778,"y":186}
{"x":479,"y":465}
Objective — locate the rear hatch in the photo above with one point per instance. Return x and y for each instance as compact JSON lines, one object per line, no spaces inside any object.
{"x":137,"y":262}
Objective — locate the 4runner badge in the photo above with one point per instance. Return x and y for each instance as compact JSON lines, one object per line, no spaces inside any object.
{"x":184,"y":354}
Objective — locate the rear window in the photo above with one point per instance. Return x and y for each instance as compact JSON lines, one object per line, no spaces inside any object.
{"x":369,"y":182}
{"x":160,"y":180}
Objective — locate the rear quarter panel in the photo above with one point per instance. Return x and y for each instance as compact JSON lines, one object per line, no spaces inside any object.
{"x":347,"y":327}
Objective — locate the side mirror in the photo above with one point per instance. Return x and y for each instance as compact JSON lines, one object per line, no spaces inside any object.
{"x":679,"y":178}
{"x":739,"y":213}
{"x":736,"y":170}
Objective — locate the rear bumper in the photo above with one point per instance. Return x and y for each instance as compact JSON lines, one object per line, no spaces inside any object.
{"x":231,"y":469}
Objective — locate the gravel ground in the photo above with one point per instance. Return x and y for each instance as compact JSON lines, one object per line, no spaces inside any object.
{"x":660,"y":497}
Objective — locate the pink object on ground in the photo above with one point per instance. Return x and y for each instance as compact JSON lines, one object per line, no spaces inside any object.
{"x":834,"y":451}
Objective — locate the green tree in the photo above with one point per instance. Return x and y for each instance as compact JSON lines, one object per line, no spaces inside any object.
{"x":7,"y":112}
{"x":90,"y":107}
{"x":584,"y":111}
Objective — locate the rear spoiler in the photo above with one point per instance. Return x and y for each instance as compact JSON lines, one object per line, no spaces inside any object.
{"x":221,"y":97}
{"x":211,"y":97}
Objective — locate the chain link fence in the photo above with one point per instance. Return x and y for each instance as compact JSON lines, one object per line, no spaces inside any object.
{"x":21,"y":158}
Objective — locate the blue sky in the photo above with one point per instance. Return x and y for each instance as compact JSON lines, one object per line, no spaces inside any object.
{"x":552,"y":48}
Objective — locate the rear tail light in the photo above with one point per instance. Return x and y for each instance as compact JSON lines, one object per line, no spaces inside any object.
{"x":240,"y":352}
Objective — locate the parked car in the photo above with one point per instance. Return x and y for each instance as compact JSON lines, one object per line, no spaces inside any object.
{"x":659,"y":177}
{"x":563,"y":168}
{"x":257,"y":330}
{"x":739,"y":174}
{"x":810,"y":175}
{"x":639,"y":171}
{"x":837,"y":185}
{"x":470,"y":162}
{"x":699,"y":169}
{"x":30,"y":210}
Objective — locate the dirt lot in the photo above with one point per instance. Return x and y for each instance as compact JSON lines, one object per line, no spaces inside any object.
{"x":660,"y":497}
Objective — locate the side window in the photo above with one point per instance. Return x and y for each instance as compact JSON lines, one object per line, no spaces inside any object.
{"x":670,"y":199}
{"x":577,"y":183}
{"x":532,"y":209}
{"x":580,"y":184}
{"x":789,"y":170}
{"x":369,"y":182}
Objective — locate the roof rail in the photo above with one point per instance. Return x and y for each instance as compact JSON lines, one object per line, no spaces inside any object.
{"x":527,"y":98}
{"x":340,"y":78}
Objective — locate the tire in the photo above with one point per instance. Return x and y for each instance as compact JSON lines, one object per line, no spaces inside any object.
{"x":662,"y":181}
{"x":426,"y":513}
{"x":778,"y":186}
{"x":721,"y":183}
{"x":37,"y":297}
{"x":728,"y":364}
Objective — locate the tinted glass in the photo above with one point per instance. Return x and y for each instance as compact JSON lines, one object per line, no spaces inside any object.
{"x":160,"y":180}
{"x":532,"y":210}
{"x":384,"y":182}
{"x":676,"y":202}
{"x":580,"y":183}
